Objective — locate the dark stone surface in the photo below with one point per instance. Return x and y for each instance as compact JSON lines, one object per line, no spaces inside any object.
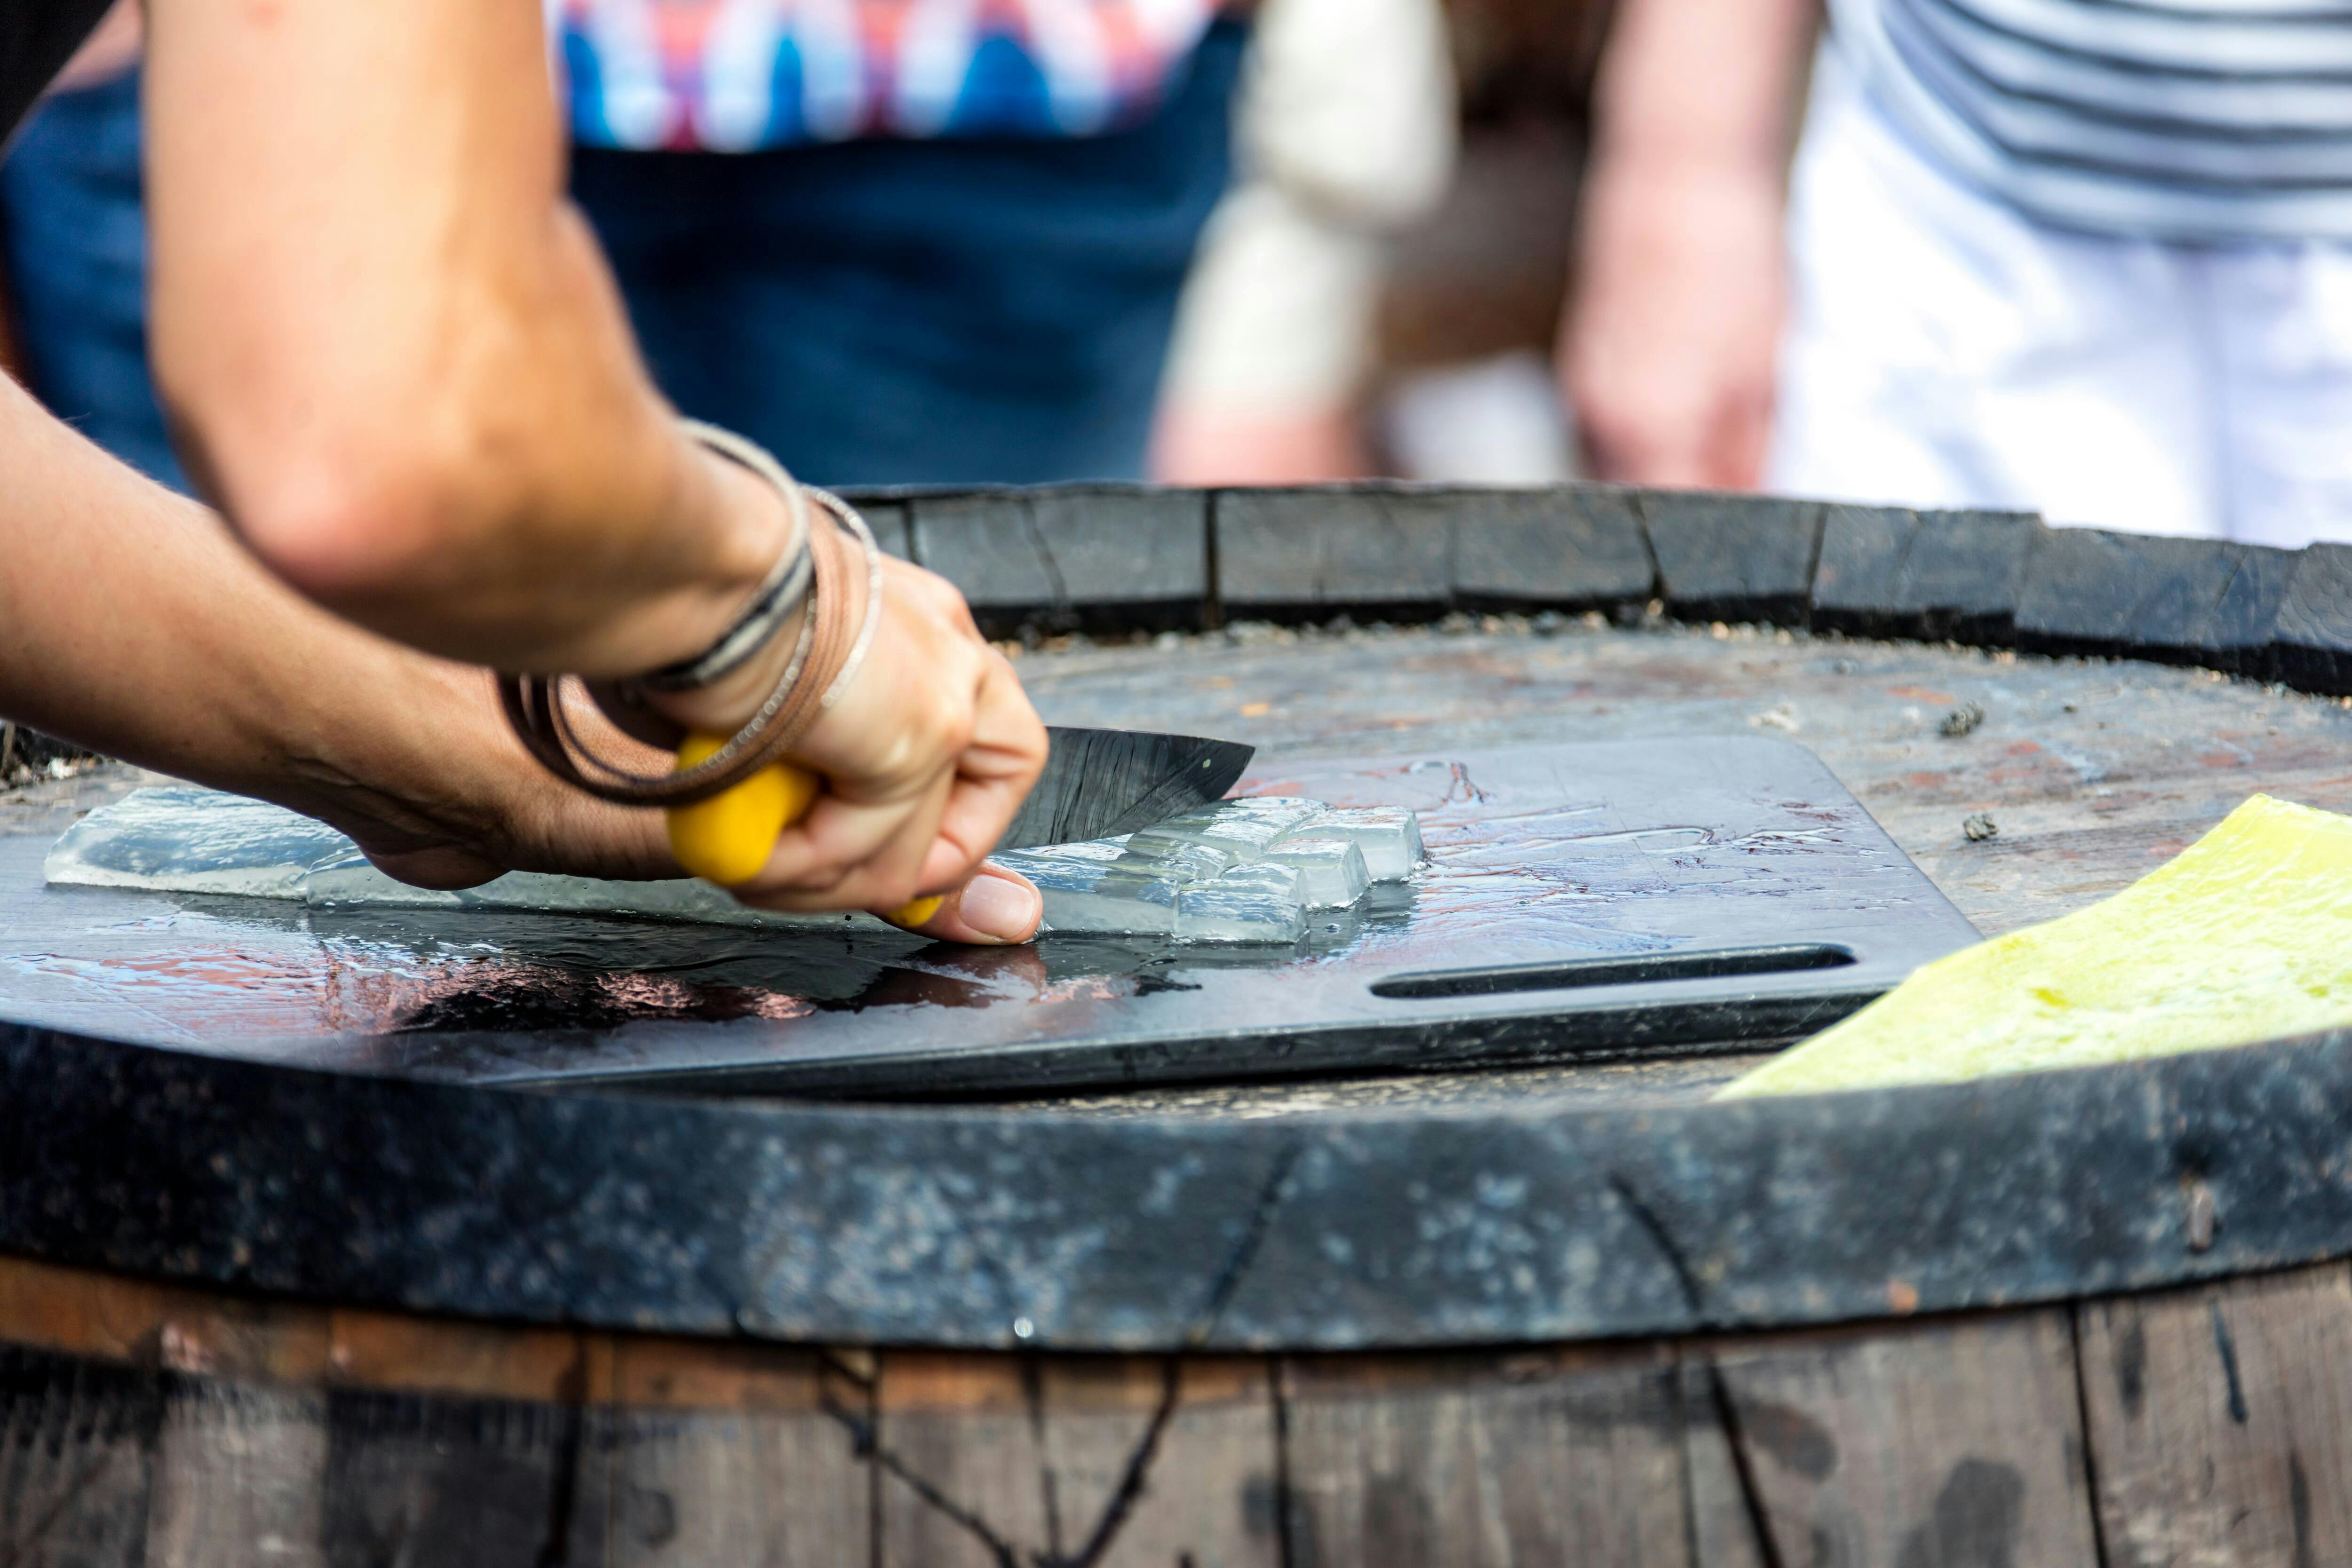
{"x":1386,"y":548}
{"x":946,"y":1227}
{"x":1733,"y":558}
{"x":1887,"y":571}
{"x":2199,"y":601}
{"x":2311,"y":645}
{"x":1068,"y":548}
{"x":1573,"y":547}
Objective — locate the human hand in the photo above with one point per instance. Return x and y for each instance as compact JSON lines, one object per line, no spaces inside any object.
{"x":1669,"y":347}
{"x":437,"y":793}
{"x":927,"y":754}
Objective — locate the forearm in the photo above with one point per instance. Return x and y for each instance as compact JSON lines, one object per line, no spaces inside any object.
{"x":1701,"y":88}
{"x":131,"y":621}
{"x":395,"y":353}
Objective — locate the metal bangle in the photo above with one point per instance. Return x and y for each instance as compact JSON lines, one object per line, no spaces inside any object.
{"x":849,"y":516}
{"x":783,"y":592}
{"x":534,"y":705}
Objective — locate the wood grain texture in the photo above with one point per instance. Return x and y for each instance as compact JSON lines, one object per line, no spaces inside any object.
{"x":1076,"y":1460}
{"x":1487,"y":1461}
{"x":76,"y":1460}
{"x":729,"y":1454}
{"x":240,"y":1477}
{"x":2221,"y":1421}
{"x":1954,"y":1443}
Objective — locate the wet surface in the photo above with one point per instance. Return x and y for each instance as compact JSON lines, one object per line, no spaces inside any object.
{"x":1621,"y":856}
{"x":2096,"y":771}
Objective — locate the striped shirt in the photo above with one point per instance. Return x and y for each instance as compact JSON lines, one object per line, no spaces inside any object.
{"x":2181,"y":120}
{"x":736,"y":75}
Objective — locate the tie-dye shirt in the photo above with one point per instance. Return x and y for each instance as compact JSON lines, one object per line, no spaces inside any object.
{"x":734,"y":75}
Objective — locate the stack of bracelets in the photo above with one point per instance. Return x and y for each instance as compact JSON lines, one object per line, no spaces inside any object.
{"x":815,"y":569}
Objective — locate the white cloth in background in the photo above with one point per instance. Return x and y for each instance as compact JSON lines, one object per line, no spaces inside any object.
{"x":1344,"y":132}
{"x":1944,"y":350}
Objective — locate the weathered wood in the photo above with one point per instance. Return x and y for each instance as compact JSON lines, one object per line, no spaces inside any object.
{"x":76,"y":1459}
{"x":1568,"y":546}
{"x":1539,"y":1456}
{"x":240,"y":1477}
{"x":1074,"y":1461}
{"x":1892,"y":572}
{"x":2221,"y":1421}
{"x":1733,"y":558}
{"x":1954,"y":1443}
{"x":1287,"y":549}
{"x":194,"y":1431}
{"x":732,"y":1454}
{"x":1726,"y":1509}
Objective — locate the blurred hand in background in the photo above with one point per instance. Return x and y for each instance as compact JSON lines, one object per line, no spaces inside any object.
{"x":1669,"y":344}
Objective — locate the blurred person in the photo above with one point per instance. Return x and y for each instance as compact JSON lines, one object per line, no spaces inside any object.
{"x":1346,"y":132}
{"x":394,"y":355}
{"x":904,"y":241}
{"x":2087,"y":260}
{"x":73,"y":251}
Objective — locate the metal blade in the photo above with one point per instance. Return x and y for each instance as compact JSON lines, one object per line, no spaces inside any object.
{"x":1101,"y":782}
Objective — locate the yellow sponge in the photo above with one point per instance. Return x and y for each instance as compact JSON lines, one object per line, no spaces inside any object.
{"x":2245,"y":936}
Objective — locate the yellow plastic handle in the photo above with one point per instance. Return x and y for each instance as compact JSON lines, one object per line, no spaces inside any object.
{"x":729,"y":838}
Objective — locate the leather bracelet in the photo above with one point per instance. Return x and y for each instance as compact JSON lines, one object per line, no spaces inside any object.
{"x":826,"y":659}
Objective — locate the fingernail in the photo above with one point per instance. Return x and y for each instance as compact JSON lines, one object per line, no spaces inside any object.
{"x":1000,"y":907}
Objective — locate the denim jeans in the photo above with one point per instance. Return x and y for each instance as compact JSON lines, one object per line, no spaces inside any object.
{"x":911,"y":312}
{"x":880,"y":312}
{"x":74,"y":239}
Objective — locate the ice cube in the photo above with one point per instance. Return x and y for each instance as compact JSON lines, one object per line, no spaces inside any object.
{"x":1181,"y":859}
{"x":1331,"y":871}
{"x":1091,"y":849}
{"x":188,"y":840}
{"x":1249,"y":903}
{"x":1388,"y":836}
{"x":1245,"y":829}
{"x":1097,"y":897}
{"x":182,"y":839}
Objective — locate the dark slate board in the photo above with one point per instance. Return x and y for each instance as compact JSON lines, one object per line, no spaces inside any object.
{"x":1733,"y":558}
{"x":1574,"y":546}
{"x":1584,"y":901}
{"x":1886,"y":572}
{"x":2199,"y":602}
{"x":1384,"y":548}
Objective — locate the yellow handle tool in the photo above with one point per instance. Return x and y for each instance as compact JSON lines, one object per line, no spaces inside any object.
{"x":729,"y":838}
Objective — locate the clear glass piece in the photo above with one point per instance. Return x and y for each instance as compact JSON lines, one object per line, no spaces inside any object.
{"x":1331,"y":872}
{"x":1097,"y":897}
{"x":1244,"y":829}
{"x":1388,"y":836}
{"x":1249,"y":903}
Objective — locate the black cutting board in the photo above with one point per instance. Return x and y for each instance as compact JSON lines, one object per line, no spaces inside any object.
{"x":1580,"y":900}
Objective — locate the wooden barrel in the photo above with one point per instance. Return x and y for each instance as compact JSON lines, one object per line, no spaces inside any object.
{"x":253,"y":1312}
{"x":165,"y":1426}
